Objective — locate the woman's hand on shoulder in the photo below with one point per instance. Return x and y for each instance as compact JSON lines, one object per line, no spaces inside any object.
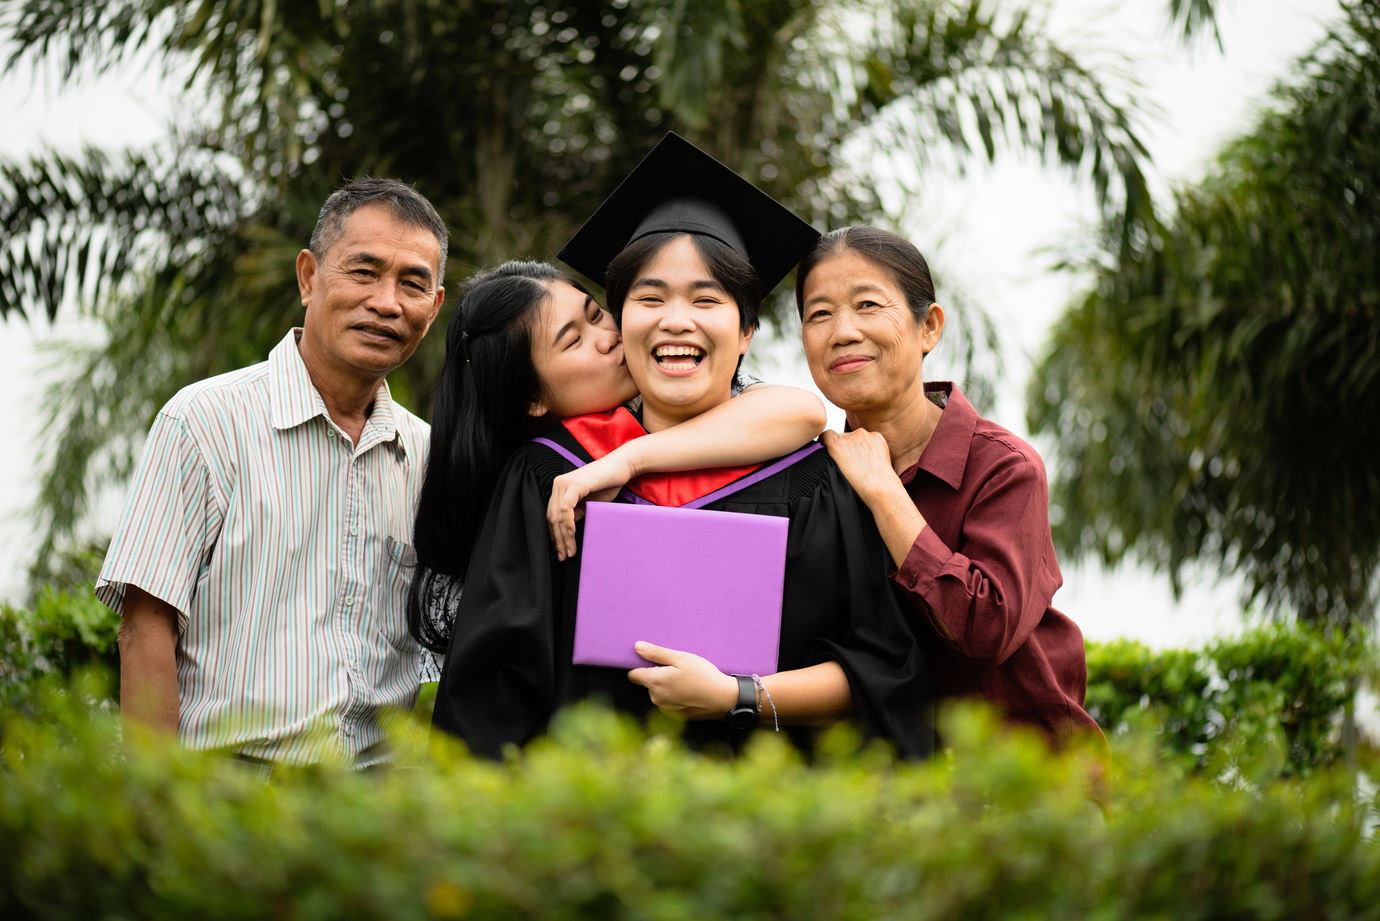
{"x":864,"y":459}
{"x":683,"y":685}
{"x":597,"y":482}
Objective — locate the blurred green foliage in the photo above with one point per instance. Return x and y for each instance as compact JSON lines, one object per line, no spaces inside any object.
{"x":1215,"y":397}
{"x":61,"y":632}
{"x":1274,"y":695}
{"x":1228,"y":802}
{"x":604,"y":821}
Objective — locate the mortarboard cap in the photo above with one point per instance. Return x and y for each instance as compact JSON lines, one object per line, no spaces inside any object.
{"x":680,"y":188}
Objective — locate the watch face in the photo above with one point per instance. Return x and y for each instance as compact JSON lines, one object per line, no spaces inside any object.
{"x":743,"y":718}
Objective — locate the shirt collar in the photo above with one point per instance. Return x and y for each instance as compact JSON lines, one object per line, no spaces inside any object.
{"x":382,"y":426}
{"x":946,"y":455}
{"x":294,"y":399}
{"x":292,"y":396}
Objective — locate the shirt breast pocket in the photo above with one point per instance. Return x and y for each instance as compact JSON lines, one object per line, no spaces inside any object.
{"x":399,"y":563}
{"x":401,"y":560}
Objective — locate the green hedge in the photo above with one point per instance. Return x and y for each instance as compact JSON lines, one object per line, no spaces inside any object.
{"x":1228,"y":803}
{"x":1276,"y":691}
{"x":603,"y":821}
{"x":61,"y":632}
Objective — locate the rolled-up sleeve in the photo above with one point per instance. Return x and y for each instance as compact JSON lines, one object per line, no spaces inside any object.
{"x":984,"y":597}
{"x":168,"y":526}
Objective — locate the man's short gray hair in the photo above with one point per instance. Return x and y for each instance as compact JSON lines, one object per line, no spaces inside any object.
{"x":407,"y":204}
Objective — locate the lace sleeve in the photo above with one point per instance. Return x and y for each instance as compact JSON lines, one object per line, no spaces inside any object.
{"x":742,"y":381}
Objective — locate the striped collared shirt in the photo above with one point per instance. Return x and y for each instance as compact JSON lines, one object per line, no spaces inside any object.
{"x":286,"y":551}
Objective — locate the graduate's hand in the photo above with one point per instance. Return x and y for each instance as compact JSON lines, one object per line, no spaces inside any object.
{"x":597,"y":482}
{"x":685,"y":686}
{"x":864,"y":458}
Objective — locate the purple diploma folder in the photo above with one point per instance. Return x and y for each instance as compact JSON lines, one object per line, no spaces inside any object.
{"x":703,"y":582}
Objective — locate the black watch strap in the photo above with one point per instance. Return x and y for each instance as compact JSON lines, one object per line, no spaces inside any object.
{"x":746,"y":713}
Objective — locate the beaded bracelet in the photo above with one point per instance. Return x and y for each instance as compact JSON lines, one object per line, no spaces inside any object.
{"x":761,"y":689}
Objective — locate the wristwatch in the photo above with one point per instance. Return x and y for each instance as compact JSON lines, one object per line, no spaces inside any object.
{"x":747,"y":712}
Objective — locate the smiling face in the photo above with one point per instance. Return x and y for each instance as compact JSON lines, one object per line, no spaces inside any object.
{"x":371,"y":298}
{"x":864,"y":346}
{"x":682,"y":335}
{"x":578,"y":354}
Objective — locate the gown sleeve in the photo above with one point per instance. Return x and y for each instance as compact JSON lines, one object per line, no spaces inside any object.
{"x":860,"y":623}
{"x":498,"y":683}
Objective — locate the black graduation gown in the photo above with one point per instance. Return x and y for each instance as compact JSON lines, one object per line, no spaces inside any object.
{"x":508,"y":667}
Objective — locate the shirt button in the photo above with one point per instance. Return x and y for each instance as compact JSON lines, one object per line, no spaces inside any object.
{"x":330,"y":433}
{"x":913,"y":580}
{"x":349,"y":599}
{"x":354,"y":531}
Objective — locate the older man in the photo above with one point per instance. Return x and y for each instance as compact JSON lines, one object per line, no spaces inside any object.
{"x":263,"y":556}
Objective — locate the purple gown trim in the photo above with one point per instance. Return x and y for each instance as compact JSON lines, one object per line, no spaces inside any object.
{"x":751,"y":479}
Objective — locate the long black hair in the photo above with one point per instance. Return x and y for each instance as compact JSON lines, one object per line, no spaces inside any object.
{"x":478,"y":419}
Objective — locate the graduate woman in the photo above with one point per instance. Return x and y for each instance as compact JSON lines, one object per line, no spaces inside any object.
{"x":961,"y":502}
{"x":686,"y":249}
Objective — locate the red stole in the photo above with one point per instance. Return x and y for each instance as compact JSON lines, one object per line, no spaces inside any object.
{"x":601,"y":433}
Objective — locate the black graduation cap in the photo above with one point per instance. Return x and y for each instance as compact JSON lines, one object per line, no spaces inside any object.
{"x":680,"y":188}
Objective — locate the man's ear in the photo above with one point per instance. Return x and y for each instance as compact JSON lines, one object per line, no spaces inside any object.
{"x":306,"y":274}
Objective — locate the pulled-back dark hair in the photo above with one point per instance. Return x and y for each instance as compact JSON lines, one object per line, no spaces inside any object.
{"x":890,"y":252}
{"x":726,"y":265}
{"x":478,"y":419}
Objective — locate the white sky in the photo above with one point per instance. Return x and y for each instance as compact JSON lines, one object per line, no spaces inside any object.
{"x":987,"y":233}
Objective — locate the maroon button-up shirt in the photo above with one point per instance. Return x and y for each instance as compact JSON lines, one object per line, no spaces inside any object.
{"x":982,"y":573}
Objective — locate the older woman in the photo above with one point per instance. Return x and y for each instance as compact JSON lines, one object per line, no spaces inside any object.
{"x":961,"y":502}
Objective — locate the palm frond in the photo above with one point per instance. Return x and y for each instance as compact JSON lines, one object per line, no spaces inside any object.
{"x":79,"y":35}
{"x":1193,"y":17}
{"x":75,"y":227}
{"x":976,"y":79}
